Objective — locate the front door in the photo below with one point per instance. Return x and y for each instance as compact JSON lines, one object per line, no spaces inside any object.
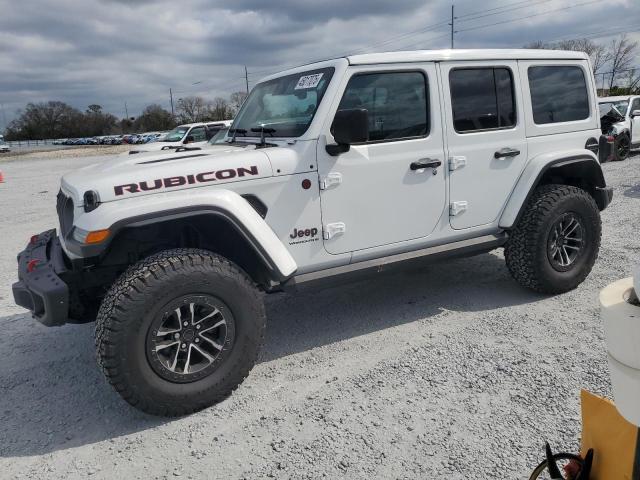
{"x":199,"y":136}
{"x":486,"y":138}
{"x":377,"y":193}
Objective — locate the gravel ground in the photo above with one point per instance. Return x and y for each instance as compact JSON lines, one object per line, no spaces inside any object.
{"x":58,"y":152}
{"x":448,"y":372}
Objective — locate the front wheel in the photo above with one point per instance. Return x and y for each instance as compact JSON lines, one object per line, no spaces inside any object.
{"x":179,"y":331}
{"x":556,"y":242}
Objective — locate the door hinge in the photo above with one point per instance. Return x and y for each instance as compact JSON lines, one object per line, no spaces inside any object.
{"x":456,"y":163}
{"x":331,"y":179}
{"x":457,"y":208}
{"x":330,"y":230}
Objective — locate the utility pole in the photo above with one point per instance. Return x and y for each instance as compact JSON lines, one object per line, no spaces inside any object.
{"x":452,"y":26}
{"x":246,"y":78}
{"x":171,"y":98}
{"x":4,"y":117}
{"x":126,"y":111}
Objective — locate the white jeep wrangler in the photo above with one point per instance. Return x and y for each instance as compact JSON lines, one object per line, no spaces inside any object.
{"x":333,"y":168}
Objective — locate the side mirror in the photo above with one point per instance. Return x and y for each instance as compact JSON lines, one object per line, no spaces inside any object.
{"x":348,"y":127}
{"x":635,"y":113}
{"x":189,"y":139}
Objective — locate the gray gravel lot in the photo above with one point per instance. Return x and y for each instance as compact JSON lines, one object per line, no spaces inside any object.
{"x":451,"y":372}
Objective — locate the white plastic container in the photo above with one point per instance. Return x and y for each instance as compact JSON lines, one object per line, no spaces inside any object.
{"x":622,"y":330}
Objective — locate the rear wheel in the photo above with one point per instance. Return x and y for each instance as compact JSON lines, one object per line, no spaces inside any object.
{"x":556,"y":242}
{"x":179,"y":331}
{"x":622,"y":147}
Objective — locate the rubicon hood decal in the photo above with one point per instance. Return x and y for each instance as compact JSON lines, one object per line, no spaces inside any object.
{"x":180,"y":180}
{"x":118,"y":178}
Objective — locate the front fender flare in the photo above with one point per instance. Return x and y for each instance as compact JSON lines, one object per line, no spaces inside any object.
{"x":535,"y":169}
{"x":149,"y":209}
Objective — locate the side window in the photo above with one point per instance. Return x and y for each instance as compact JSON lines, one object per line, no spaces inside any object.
{"x":397,"y":103}
{"x":198,"y":134}
{"x":635,"y":105}
{"x":211,"y":131}
{"x":558,"y":94}
{"x":482,"y":99}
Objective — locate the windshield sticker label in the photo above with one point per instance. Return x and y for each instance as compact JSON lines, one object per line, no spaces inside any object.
{"x":309,"y":81}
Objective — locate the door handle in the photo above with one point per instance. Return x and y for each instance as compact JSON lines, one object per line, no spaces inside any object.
{"x":506,"y":152}
{"x":425,"y":163}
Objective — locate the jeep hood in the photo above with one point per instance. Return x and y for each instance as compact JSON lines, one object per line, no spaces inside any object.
{"x":127,"y":176}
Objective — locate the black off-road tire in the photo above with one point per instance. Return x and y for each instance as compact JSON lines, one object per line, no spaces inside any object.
{"x":139,"y":295}
{"x":621,"y":147}
{"x":526,"y":251}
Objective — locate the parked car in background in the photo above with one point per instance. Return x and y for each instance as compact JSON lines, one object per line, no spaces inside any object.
{"x":4,"y":148}
{"x":618,"y":120}
{"x":191,"y":134}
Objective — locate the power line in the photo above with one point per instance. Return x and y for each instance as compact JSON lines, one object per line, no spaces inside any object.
{"x":529,"y":16}
{"x":430,"y":39}
{"x":485,"y":13}
{"x":495,"y":8}
{"x":528,"y":4}
{"x":389,"y":40}
{"x":597,"y":33}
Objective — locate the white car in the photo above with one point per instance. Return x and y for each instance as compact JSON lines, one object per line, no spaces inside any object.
{"x":190,"y":134}
{"x":626,"y":131}
{"x":343,"y":167}
{"x":4,"y":147}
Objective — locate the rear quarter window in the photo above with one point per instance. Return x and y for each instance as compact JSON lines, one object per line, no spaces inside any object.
{"x":558,"y":94}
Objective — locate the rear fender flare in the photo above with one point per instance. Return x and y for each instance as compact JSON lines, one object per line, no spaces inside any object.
{"x":583,"y":163}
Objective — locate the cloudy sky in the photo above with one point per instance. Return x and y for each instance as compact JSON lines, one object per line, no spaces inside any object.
{"x":115,"y":51}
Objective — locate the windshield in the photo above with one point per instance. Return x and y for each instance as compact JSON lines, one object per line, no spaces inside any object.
{"x":619,"y":105}
{"x":286,"y":105}
{"x":219,"y":136}
{"x":175,"y":135}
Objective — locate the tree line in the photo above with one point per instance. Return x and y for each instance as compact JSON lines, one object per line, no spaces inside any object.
{"x":613,"y":63}
{"x":55,"y":119}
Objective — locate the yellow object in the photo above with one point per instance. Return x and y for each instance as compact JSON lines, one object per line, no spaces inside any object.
{"x":96,"y":236}
{"x":614,"y":440}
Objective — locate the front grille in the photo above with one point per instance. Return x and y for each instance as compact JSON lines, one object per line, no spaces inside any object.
{"x":64,"y":207}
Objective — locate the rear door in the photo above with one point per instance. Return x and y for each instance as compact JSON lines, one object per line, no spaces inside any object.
{"x":487,"y":146}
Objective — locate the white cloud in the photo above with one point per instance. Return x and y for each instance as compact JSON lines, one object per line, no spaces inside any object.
{"x":109,"y":52}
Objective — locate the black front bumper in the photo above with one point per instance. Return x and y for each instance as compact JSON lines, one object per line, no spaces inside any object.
{"x":40,"y":288}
